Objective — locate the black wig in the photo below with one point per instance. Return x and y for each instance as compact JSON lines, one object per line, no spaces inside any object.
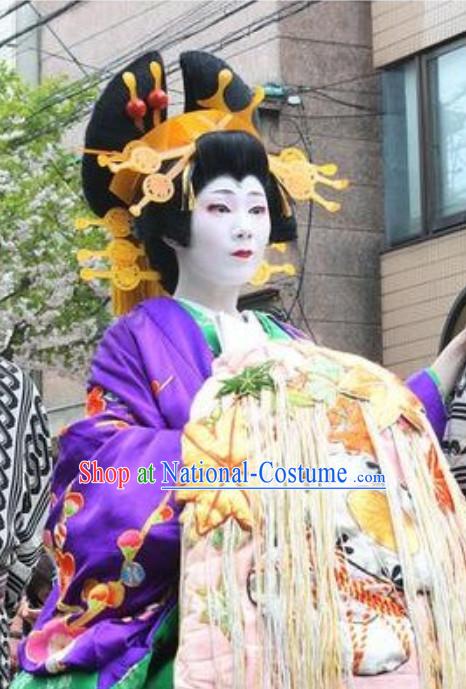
{"x":236,"y":154}
{"x":233,"y":153}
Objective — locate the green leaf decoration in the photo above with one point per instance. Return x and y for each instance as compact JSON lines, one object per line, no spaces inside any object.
{"x":299,"y":399}
{"x":218,"y":538}
{"x":322,"y":391}
{"x":251,"y":381}
{"x":322,"y":367}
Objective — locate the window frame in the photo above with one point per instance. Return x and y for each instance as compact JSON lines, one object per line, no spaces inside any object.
{"x":432,"y":224}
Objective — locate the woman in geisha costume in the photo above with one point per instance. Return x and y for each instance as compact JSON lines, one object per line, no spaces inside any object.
{"x":278,"y":588}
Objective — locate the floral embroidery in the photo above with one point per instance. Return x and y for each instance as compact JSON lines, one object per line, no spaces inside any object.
{"x":116,"y":423}
{"x":109,"y":595}
{"x":383,"y":599}
{"x":95,"y":404}
{"x":66,"y":570}
{"x":442,"y":493}
{"x":348,"y":426}
{"x":222,"y":443}
{"x":47,"y":539}
{"x":101,"y":595}
{"x":132,"y":573}
{"x":55,"y":637}
{"x":388,"y":399}
{"x":215,"y":608}
{"x":324,"y":376}
{"x":59,"y":533}
{"x":157,"y":387}
{"x":371,"y":511}
{"x":129,"y":543}
{"x":73,"y":503}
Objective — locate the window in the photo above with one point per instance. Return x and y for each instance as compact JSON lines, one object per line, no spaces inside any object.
{"x":447,"y":105}
{"x":401,"y":153}
{"x":424,"y":144}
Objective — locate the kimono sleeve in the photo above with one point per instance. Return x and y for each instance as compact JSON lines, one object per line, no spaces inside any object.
{"x":106,"y":524}
{"x":124,"y":425}
{"x":116,"y":547}
{"x":427,"y":391}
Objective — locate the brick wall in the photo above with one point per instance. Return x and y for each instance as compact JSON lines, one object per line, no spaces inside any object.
{"x":403,"y":28}
{"x":419,"y":285}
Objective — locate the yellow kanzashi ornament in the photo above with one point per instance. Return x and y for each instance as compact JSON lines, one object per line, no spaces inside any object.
{"x":124,"y":271}
{"x":135,"y":156}
{"x":265,"y":271}
{"x":117,"y":221}
{"x":299,"y":177}
{"x":157,"y":188}
{"x":128,"y":272}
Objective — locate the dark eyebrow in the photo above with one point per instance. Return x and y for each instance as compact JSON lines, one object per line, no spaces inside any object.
{"x":230,"y":191}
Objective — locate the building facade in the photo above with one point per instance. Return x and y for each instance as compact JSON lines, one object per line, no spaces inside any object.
{"x":419,"y":49}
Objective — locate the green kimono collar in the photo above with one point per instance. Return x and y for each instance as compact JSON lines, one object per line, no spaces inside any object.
{"x":207,"y":325}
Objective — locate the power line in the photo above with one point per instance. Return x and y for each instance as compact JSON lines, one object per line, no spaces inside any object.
{"x":306,"y":321}
{"x":241,"y":51}
{"x":346,"y":80}
{"x":184,"y":37}
{"x":57,"y":56}
{"x":181,"y":26}
{"x":14,"y":8}
{"x":97,"y":77}
{"x":89,"y":37}
{"x":229,"y":39}
{"x":256,"y":26}
{"x":178,"y":23}
{"x":73,"y":57}
{"x":336,"y":117}
{"x":47,"y":18}
{"x":94,"y":35}
{"x":136,"y":45}
{"x":305,"y":142}
{"x":325,"y":96}
{"x":310,"y":91}
{"x":102,"y":73}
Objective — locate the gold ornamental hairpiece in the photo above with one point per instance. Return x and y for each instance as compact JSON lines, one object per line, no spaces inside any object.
{"x":146,"y":169}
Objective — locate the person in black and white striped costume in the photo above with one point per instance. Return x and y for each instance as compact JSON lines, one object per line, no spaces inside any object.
{"x":25,"y":472}
{"x":453,"y":372}
{"x":454,"y":443}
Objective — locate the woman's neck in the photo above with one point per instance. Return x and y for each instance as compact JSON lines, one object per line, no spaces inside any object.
{"x":206,"y":294}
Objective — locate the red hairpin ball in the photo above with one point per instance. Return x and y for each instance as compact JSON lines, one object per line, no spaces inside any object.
{"x":136,"y":108}
{"x":157,"y":99}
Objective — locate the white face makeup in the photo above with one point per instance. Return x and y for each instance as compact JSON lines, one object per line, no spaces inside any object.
{"x":230,"y":228}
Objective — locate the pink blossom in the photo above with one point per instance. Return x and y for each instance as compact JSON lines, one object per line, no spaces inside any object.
{"x":52,"y":639}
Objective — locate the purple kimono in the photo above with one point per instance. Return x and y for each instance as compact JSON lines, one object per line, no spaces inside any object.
{"x":117,"y":548}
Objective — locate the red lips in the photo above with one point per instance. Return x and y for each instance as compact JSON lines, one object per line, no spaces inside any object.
{"x":242,"y":253}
